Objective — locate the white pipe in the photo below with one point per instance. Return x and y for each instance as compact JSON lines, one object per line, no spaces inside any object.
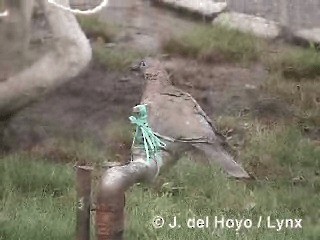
{"x":103,"y":4}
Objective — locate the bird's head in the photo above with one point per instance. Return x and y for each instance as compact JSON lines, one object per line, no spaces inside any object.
{"x":148,"y":66}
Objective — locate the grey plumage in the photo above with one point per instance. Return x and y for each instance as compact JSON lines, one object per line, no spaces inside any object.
{"x":176,"y":114}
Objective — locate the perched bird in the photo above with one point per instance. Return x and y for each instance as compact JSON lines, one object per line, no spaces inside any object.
{"x":175,"y":114}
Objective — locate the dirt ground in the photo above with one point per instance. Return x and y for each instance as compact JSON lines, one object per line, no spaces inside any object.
{"x":89,"y":103}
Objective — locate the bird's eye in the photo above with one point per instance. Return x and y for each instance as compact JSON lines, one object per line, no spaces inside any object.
{"x":143,"y":64}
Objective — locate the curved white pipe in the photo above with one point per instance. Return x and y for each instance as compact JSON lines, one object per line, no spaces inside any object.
{"x":103,"y":4}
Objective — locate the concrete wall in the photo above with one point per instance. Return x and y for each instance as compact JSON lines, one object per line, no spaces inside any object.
{"x":301,"y":13}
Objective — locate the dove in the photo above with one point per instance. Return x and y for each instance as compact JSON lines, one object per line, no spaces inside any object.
{"x":177,"y":117}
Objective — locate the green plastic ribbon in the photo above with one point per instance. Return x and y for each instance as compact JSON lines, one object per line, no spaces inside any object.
{"x":145,"y":136}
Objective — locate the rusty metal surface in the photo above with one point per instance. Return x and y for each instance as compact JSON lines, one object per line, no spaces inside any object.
{"x":110,"y":217}
{"x":83,"y":187}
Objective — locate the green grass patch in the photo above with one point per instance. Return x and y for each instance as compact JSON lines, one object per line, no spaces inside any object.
{"x":38,"y":217}
{"x":282,"y":153}
{"x":205,"y":192}
{"x":95,"y":29}
{"x":302,"y":97}
{"x":62,"y":150}
{"x":215,"y":44}
{"x":297,"y":63}
{"x":114,"y":58}
{"x":193,"y":191}
{"x":20,"y":174}
{"x":36,"y":199}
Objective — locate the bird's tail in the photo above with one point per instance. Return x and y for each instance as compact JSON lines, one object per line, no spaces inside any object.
{"x":218,"y":155}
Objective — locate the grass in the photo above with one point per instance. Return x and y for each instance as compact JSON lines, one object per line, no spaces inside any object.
{"x":95,"y":29}
{"x":38,"y":197}
{"x":297,"y":63}
{"x":233,"y":201}
{"x":282,"y":153}
{"x":115,"y":59}
{"x":215,"y":44}
{"x":302,"y":97}
{"x":205,"y":192}
{"x":304,"y":94}
{"x":219,"y":44}
{"x":63,"y":150}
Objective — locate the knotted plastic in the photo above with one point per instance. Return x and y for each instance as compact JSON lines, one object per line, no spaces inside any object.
{"x":144,"y":136}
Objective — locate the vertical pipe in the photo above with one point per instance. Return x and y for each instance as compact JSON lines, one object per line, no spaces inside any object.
{"x":83,"y":187}
{"x":110,"y":217}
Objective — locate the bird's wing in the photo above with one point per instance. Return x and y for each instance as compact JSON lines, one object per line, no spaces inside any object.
{"x":222,"y":139}
{"x":175,"y":113}
{"x":201,"y":112}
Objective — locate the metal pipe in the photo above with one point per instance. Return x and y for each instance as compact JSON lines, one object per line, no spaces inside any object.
{"x":110,"y":201}
{"x":83,"y":188}
{"x":110,"y":217}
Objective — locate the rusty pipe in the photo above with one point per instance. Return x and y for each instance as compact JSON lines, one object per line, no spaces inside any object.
{"x":110,"y":202}
{"x":83,"y":188}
